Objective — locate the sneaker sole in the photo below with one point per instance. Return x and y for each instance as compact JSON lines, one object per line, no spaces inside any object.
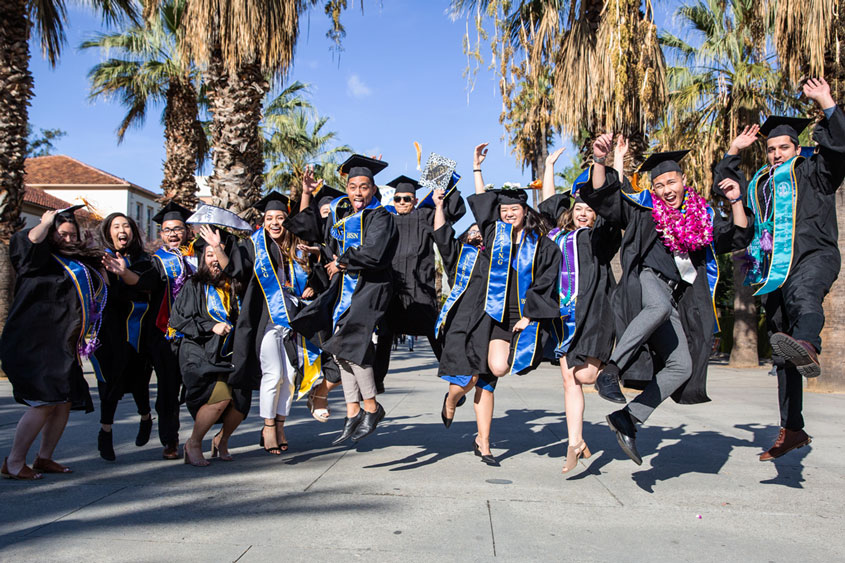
{"x":790,"y":350}
{"x":807,"y":442}
{"x":621,"y":443}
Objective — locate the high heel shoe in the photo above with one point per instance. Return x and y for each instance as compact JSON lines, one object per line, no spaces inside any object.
{"x":573,"y":453}
{"x":321,"y":414}
{"x":215,"y":449}
{"x":275,"y":450}
{"x":486,"y":458}
{"x":189,"y":461}
{"x":283,"y":444}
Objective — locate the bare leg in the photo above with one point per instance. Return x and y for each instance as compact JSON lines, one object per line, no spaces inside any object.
{"x":573,"y":399}
{"x":206,"y":417}
{"x":498,"y":352}
{"x":280,"y":431}
{"x":53,"y":429}
{"x":231,"y":420}
{"x":455,"y":394}
{"x":30,"y":424}
{"x":352,"y":409}
{"x":483,"y":418}
{"x":269,"y":434}
{"x":370,"y":405}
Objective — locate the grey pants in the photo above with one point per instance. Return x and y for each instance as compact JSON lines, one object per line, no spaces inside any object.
{"x":358,"y":382}
{"x":659,"y":325}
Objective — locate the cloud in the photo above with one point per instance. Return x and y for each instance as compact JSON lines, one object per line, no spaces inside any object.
{"x":356,"y":88}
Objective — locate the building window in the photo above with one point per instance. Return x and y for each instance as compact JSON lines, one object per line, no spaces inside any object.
{"x":149,"y":223}
{"x":139,"y":209}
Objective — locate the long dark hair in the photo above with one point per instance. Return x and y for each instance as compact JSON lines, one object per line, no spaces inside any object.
{"x":534,"y":222}
{"x":136,"y":245}
{"x":81,"y":249}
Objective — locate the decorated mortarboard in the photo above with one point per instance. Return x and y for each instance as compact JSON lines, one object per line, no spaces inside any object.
{"x":404,"y":185}
{"x":360,"y":165}
{"x":437,"y":173}
{"x":779,"y":126}
{"x":273,"y":201}
{"x":512,"y":194}
{"x":663,"y":162}
{"x":171,"y":212}
{"x":69,"y":211}
{"x":217,"y":216}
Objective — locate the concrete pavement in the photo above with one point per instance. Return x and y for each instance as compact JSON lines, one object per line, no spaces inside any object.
{"x":414,"y":490}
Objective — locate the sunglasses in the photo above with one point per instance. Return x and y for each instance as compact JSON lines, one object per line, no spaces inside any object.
{"x":403,"y":198}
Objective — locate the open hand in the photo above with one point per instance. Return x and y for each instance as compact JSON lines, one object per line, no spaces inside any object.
{"x":746,"y":138}
{"x":730,"y":188}
{"x":211,"y":237}
{"x":309,"y":183}
{"x":114,"y":264}
{"x":48,"y":216}
{"x":602,"y":146}
{"x":479,"y":155}
{"x":818,"y":90}
{"x":621,"y":145}
{"x":552,"y":158}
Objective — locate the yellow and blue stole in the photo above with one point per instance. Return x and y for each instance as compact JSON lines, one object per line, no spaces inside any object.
{"x":217,"y":310}
{"x":770,"y":269}
{"x":81,"y":278}
{"x":274,"y":296}
{"x":348,"y":232}
{"x":463,"y":273}
{"x":568,"y":293}
{"x":501,"y":256}
{"x":136,"y":315}
{"x":643,"y":199}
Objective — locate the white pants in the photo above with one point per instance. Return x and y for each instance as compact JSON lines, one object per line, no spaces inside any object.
{"x":277,"y":375}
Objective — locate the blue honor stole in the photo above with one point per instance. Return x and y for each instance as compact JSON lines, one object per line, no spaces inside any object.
{"x":770,"y":269}
{"x":173,"y":264}
{"x":136,"y":316}
{"x":501,"y":256}
{"x":81,"y":278}
{"x":348,"y":232}
{"x":569,"y":283}
{"x":463,"y":272}
{"x":217,"y":311}
{"x":274,"y":296}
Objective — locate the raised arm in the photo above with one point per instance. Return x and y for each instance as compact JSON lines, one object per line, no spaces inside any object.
{"x":829,"y":163}
{"x":478,"y":157}
{"x":549,"y":174}
{"x":602,"y":194}
{"x":38,"y":233}
{"x":619,"y":155}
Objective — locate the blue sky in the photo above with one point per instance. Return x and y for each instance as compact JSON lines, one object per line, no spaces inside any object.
{"x":398,"y":80}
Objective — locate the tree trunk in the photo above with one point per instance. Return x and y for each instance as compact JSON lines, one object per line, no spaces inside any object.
{"x":235,"y":100}
{"x":181,"y":127}
{"x":744,"y":351}
{"x":15,"y":92}
{"x":833,"y":336}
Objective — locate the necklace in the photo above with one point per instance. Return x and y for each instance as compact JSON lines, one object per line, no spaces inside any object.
{"x":97,"y":307}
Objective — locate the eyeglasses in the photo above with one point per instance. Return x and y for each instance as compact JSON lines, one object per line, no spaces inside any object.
{"x":403,"y":198}
{"x":474,"y":232}
{"x":176,"y":230}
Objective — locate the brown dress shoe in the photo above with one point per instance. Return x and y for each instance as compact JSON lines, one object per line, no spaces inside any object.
{"x":787,"y":441}
{"x":799,"y":353}
{"x":171,"y":451}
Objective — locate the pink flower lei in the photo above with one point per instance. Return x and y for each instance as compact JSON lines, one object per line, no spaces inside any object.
{"x":686,"y":229}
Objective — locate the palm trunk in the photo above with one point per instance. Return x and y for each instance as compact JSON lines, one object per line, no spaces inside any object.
{"x":744,"y":351}
{"x":15,"y":92}
{"x":235,"y":99}
{"x":181,"y":145}
{"x":833,"y":335}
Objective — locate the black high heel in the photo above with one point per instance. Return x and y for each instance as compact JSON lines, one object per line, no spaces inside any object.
{"x":488,"y":459}
{"x":276,"y":450}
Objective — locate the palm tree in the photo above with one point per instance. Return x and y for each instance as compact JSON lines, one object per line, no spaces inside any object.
{"x":808,"y":38}
{"x":717,"y":88}
{"x":18,"y":17}
{"x":150,"y":68}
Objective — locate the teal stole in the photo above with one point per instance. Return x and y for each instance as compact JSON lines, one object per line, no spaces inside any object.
{"x":348,"y":232}
{"x":81,"y":278}
{"x":136,"y":316}
{"x":771,"y":268}
{"x":643,"y":199}
{"x":215,"y":309}
{"x":463,"y":272}
{"x":501,"y":256}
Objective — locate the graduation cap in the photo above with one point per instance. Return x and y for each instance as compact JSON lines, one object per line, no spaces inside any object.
{"x":662,"y":162}
{"x":512,"y":196}
{"x":211,"y":215}
{"x":404,"y":185}
{"x":326,"y":194}
{"x":779,"y":125}
{"x":273,"y":201}
{"x":69,"y":211}
{"x":172,"y":212}
{"x":360,"y":165}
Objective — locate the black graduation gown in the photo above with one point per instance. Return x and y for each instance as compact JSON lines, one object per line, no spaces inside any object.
{"x":122,"y":368}
{"x":39,"y":341}
{"x":352,"y":337}
{"x":469,"y":327}
{"x":200,"y":351}
{"x":254,"y":315}
{"x":594,"y":325}
{"x":816,"y":259}
{"x":641,"y":246}
{"x":414,"y":307}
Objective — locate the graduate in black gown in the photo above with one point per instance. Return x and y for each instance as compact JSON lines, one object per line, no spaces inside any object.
{"x":160,"y":344}
{"x":664,"y":305}
{"x":205,"y":313}
{"x":360,"y":240}
{"x":585,"y":331}
{"x":414,"y":307}
{"x":118,"y":363}
{"x":794,"y":257}
{"x":504,"y":318}
{"x":60,"y":291}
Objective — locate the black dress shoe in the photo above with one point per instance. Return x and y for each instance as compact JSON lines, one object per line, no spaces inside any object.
{"x":104,"y":444}
{"x":488,"y":459}
{"x":349,"y":426}
{"x":144,"y":431}
{"x":368,"y":423}
{"x":607,"y":385}
{"x":447,"y":422}
{"x":626,"y":433}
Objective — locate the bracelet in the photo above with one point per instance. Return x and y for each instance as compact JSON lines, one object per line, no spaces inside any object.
{"x":735,"y":200}
{"x":600,"y":160}
{"x":476,"y":169}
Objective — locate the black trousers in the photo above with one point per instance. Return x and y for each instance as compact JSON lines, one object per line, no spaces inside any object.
{"x":135,"y":380}
{"x":790,"y":395}
{"x":165,"y":361}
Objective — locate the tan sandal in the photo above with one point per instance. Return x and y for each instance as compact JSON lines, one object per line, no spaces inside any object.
{"x":321,"y":414}
{"x":573,"y":453}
